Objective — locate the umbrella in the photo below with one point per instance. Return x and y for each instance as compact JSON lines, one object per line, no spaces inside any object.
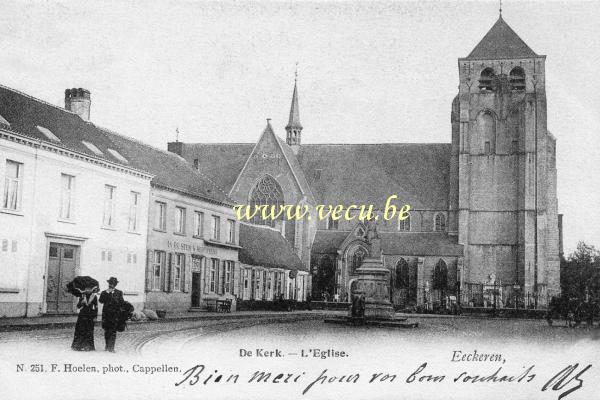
{"x":79,"y":283}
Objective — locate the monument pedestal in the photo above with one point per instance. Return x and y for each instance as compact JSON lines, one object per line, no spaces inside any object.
{"x":371,"y":296}
{"x":373,"y":282}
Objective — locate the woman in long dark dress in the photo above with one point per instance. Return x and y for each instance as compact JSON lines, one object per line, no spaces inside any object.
{"x":84,"y":329}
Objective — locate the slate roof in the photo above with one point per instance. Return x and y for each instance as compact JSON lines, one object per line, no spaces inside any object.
{"x":420,"y":244}
{"x":349,"y":173}
{"x":223,"y":162}
{"x":25,"y":113}
{"x":296,"y":167}
{"x":400,"y":243}
{"x":328,"y":241}
{"x":264,"y":246}
{"x":170,"y":170}
{"x":370,"y":173}
{"x":501,"y":42}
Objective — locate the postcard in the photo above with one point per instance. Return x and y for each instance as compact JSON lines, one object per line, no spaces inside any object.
{"x":303,"y":200}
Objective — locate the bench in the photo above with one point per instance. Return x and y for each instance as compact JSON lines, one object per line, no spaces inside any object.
{"x":224,"y":305}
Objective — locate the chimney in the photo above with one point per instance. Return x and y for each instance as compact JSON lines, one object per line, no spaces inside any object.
{"x":78,"y":101}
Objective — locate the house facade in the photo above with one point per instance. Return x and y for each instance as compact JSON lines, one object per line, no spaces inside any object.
{"x":71,"y":205}
{"x":192,"y":251}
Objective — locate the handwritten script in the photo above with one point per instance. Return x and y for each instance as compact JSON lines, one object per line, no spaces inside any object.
{"x":567,"y":380}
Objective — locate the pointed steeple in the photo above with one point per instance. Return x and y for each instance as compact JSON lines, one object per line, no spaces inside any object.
{"x":501,"y":42}
{"x":294,"y":127}
{"x":294,"y":121}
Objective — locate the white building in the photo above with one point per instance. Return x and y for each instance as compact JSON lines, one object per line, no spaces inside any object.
{"x":71,"y":205}
{"x":193,"y":234}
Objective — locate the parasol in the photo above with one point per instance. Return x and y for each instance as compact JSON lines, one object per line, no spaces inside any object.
{"x":79,"y":283}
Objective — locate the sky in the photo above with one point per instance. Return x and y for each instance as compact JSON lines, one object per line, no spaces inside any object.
{"x":368,"y":72}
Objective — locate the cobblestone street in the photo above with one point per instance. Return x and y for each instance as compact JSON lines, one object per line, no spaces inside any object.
{"x":138,"y":338}
{"x":137,"y":335}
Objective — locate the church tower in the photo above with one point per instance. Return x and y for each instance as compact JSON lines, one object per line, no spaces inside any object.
{"x":294,"y":127}
{"x":503,"y":202}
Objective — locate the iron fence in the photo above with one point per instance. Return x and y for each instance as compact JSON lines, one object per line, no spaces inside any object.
{"x":494,"y":295}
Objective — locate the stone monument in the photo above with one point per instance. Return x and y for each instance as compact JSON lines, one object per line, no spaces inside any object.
{"x":373,"y":280}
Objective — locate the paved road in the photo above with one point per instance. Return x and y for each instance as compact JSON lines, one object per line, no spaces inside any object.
{"x":158,"y":338}
{"x":139,"y":337}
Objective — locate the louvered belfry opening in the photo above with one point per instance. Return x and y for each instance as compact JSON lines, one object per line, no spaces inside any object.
{"x":486,"y":79}
{"x":517,"y":78}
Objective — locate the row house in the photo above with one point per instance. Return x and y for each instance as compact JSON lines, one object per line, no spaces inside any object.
{"x":79,"y":199}
{"x":270,"y":267}
{"x":70,"y":204}
{"x":191,"y":231}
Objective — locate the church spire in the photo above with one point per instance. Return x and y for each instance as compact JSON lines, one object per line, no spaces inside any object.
{"x":294,"y":127}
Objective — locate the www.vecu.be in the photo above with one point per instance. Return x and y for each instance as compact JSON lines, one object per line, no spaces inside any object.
{"x":247,"y":212}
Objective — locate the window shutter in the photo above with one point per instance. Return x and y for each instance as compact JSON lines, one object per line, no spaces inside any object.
{"x":168,"y":279}
{"x":219,"y":282}
{"x":149,"y":270}
{"x":232,"y":284}
{"x":171,"y":272}
{"x":187,"y":274}
{"x":224,"y":276}
{"x":206,"y":274}
{"x":164,"y":269}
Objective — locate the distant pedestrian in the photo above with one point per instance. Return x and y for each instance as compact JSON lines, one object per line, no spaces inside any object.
{"x":84,"y":328}
{"x":113,"y":301}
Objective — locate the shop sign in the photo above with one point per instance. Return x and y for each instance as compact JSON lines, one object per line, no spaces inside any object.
{"x":190,"y":248}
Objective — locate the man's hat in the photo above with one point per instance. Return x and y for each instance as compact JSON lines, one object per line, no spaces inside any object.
{"x":112,"y":280}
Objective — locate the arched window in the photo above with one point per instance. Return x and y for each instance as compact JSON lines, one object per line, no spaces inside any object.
{"x":402,"y":274}
{"x":266,"y":192}
{"x":357,"y":258}
{"x":486,"y":134}
{"x":404,"y":225}
{"x":517,"y":78}
{"x":486,"y":79}
{"x":440,"y":276}
{"x":440,"y":222}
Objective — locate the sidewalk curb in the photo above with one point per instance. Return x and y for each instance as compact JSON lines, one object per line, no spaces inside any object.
{"x":233,"y":316}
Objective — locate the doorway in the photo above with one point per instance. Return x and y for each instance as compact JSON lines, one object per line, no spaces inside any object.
{"x":196,"y":285}
{"x":63,"y":260}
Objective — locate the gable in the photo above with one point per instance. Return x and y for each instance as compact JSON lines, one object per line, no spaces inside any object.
{"x":269,"y":158}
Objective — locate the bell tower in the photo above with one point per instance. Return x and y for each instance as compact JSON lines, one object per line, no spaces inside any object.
{"x":503,"y":170}
{"x":294,"y":127}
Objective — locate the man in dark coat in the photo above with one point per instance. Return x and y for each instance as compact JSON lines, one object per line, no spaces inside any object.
{"x":113,"y":300}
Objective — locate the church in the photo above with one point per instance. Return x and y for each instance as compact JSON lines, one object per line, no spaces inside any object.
{"x":483,"y":227}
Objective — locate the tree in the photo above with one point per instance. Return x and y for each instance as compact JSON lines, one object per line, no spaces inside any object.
{"x":580,"y":272}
